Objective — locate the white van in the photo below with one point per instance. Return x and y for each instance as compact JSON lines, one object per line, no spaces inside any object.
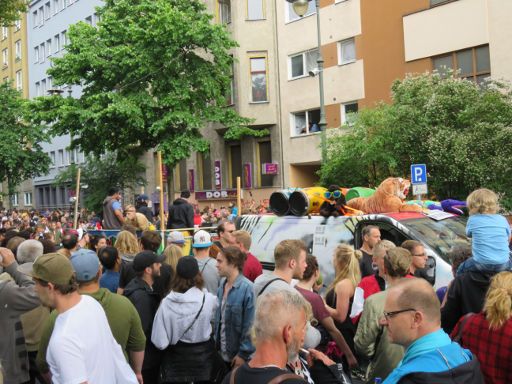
{"x":322,"y":235}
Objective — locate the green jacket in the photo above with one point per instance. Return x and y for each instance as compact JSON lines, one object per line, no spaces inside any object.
{"x":122,"y":317}
{"x":372,"y":340}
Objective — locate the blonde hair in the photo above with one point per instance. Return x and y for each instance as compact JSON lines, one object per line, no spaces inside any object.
{"x":498,"y":301}
{"x":127,"y":244}
{"x":172,"y":254}
{"x":243,"y":237}
{"x":346,"y":261}
{"x":482,"y":201}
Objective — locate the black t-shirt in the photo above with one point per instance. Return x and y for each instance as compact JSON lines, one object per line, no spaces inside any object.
{"x":366,"y":264}
{"x":162,"y":282}
{"x":248,"y":375}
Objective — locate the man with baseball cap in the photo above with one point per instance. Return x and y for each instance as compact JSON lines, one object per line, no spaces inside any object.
{"x":82,"y":348}
{"x":139,"y":291}
{"x":207,"y":265}
{"x":122,"y":317}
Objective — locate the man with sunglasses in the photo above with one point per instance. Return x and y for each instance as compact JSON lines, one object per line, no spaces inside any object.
{"x":413,"y":320}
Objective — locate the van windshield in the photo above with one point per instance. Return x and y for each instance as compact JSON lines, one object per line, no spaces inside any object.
{"x":441,"y":236}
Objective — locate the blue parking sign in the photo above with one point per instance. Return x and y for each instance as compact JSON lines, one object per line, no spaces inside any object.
{"x":418,"y":174}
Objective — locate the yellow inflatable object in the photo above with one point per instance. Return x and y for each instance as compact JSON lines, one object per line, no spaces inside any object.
{"x":307,"y":200}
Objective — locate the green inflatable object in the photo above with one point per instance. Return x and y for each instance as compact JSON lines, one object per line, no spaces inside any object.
{"x":359,"y":192}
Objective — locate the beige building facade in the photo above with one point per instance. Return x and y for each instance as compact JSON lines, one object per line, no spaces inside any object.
{"x":365,"y":44}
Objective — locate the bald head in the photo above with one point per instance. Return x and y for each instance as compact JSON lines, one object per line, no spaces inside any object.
{"x":418,"y":294}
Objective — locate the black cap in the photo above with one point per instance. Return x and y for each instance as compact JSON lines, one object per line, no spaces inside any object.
{"x":146,"y":259}
{"x":187,"y":267}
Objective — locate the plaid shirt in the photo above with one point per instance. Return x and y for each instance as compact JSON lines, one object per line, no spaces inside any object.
{"x":493,"y":348}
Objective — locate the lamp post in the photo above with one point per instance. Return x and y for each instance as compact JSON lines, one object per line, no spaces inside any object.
{"x":300,"y":7}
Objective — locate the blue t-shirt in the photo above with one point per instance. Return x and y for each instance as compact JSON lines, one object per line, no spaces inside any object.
{"x":116,"y":205}
{"x":110,"y":280}
{"x":490,"y":235}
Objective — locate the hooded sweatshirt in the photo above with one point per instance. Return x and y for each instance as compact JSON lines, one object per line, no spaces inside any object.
{"x":177,"y":313}
{"x":466,"y":294}
{"x":181,"y":215}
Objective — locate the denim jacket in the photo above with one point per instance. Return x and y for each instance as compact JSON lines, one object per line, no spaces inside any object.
{"x":239,"y":317}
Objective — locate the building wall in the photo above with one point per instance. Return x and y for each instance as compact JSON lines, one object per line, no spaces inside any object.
{"x":500,"y":38}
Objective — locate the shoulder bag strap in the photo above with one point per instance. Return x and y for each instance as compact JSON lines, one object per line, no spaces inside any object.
{"x":195,"y":318}
{"x":458,"y":336}
{"x":233,"y":373}
{"x":268,"y":283}
{"x":286,"y":376}
{"x":205,"y":264}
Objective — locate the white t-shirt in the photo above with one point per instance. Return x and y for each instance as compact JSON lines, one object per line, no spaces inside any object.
{"x":82,"y":348}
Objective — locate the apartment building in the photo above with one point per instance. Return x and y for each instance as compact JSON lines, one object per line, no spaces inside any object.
{"x":365,"y":44}
{"x":14,"y":68}
{"x":48,"y":22}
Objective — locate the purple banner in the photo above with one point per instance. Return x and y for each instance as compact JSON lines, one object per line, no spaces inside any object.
{"x":191,"y":180}
{"x":217,"y":172}
{"x":269,"y":169}
{"x":248,"y":175}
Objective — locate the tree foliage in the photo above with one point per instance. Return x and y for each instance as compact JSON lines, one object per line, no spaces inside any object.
{"x":153,"y":73}
{"x":99,"y":174}
{"x":10,"y":11}
{"x":461,"y":130}
{"x":21,"y":154}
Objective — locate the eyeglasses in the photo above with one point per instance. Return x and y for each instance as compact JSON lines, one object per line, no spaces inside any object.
{"x":420,"y":254}
{"x":335,"y":194}
{"x":389,"y":315}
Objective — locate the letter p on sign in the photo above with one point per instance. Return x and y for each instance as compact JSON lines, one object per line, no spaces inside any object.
{"x":418,"y":173}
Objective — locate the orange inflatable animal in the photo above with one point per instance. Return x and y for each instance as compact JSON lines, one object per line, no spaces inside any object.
{"x":389,"y":197}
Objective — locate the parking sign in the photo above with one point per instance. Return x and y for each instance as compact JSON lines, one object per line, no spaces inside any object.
{"x":418,"y":174}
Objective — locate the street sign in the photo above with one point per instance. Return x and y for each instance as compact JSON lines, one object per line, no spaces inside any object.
{"x":419,"y":189}
{"x":419,"y":174}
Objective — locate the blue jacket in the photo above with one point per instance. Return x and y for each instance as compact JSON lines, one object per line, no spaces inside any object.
{"x":239,"y":317}
{"x":434,"y":352}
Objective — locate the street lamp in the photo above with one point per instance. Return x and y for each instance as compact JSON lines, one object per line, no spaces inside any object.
{"x":300,"y":7}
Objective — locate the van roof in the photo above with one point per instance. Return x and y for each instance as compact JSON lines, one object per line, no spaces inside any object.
{"x":405,"y":215}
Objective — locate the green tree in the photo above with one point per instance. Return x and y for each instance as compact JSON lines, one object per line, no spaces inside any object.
{"x":153,"y":72}
{"x":99,"y":174}
{"x":10,"y":10}
{"x":21,"y":155}
{"x":461,"y":130}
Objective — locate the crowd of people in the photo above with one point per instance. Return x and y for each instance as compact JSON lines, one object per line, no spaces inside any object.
{"x":78,"y":308}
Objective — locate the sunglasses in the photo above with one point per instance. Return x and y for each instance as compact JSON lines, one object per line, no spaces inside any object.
{"x":335,"y":194}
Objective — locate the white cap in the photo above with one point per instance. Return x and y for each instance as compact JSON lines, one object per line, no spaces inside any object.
{"x":202,"y":239}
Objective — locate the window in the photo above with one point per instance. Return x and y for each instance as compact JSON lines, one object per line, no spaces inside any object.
{"x":47,"y":11}
{"x":19,"y":81}
{"x":50,"y":82}
{"x":64,"y":39}
{"x":302,"y":63}
{"x":36,"y":54}
{"x":348,"y":113}
{"x":48,"y":47}
{"x":224,"y":11}
{"x":35,"y":20}
{"x":17,"y":25}
{"x":96,"y":19}
{"x":346,"y":51}
{"x":292,"y":16}
{"x":14,"y":200}
{"x":88,"y":20}
{"x":38,"y":88}
{"x":41,"y":53}
{"x":17,"y":49}
{"x":205,"y":170}
{"x":56,"y":43}
{"x":230,"y":97}
{"x":259,"y":79}
{"x":5,"y":57}
{"x":5,"y":33}
{"x":255,"y":10}
{"x":265,"y":156}
{"x":27,"y":198}
{"x":235,"y":163}
{"x":472,"y":64}
{"x":52,"y":158}
{"x":64,"y":4}
{"x":55,"y":6}
{"x":439,"y":2}
{"x":61,"y":157}
{"x":305,"y":122}
{"x":43,"y":87}
{"x":40,"y":17}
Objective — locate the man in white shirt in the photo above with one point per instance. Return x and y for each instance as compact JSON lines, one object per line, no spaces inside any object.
{"x":82,"y":348}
